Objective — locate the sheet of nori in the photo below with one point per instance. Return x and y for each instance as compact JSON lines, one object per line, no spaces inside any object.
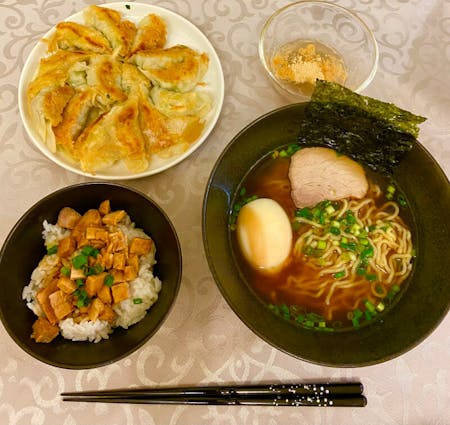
{"x":372,"y":132}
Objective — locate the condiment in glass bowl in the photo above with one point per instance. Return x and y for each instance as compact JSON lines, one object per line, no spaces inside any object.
{"x":300,"y":63}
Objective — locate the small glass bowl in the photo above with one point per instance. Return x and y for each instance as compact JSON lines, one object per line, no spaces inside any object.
{"x":328,"y":24}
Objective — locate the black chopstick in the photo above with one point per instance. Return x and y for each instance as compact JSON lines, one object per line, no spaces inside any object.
{"x":325,"y":394}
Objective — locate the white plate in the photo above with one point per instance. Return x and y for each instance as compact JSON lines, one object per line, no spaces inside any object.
{"x":179,"y":31}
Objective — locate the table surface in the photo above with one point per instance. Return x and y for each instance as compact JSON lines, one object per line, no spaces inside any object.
{"x":203,"y":341}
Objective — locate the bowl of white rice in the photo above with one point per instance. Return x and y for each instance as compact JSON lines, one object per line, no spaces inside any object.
{"x":26,"y":259}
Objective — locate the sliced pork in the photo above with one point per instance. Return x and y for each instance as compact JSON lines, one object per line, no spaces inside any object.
{"x":318,"y":174}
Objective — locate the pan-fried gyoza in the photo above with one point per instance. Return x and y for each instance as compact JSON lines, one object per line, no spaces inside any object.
{"x":111,"y":91}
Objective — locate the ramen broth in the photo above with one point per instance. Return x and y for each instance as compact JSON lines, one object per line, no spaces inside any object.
{"x":269,"y":179}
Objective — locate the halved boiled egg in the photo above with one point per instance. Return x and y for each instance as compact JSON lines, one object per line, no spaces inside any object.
{"x":264,"y":234}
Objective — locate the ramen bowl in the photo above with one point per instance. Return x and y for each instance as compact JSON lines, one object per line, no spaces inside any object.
{"x":418,"y":309}
{"x":24,"y":248}
{"x":339,"y":32}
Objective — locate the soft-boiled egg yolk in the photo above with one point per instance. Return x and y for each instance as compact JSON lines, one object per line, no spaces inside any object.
{"x":264,"y":234}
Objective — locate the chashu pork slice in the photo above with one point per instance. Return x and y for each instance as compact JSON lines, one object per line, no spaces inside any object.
{"x":318,"y":174}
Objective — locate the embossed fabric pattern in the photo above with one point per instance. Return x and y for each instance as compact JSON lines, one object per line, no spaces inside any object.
{"x":202,"y":341}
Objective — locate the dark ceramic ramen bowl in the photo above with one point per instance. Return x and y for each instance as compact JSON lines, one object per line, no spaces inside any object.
{"x":419,"y":308}
{"x":24,"y":247}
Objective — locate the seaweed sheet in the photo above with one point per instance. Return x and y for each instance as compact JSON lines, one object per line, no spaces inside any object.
{"x":372,"y":132}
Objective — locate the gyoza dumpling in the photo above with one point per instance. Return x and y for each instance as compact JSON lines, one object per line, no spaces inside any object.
{"x":134,"y":81}
{"x":177,"y":68}
{"x":175,"y":104}
{"x":113,"y":137}
{"x":120,"y":33}
{"x":166,"y":136}
{"x":104,"y":74}
{"x":53,"y":71}
{"x":49,"y":92}
{"x":151,"y":34}
{"x":80,"y":111}
{"x":46,"y":112}
{"x":74,"y":36}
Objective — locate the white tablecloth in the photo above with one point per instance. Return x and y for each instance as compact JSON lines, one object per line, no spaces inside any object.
{"x":203,"y":341}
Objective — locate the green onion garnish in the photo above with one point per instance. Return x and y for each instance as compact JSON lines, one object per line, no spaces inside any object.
{"x":65,"y":271}
{"x":339,"y":275}
{"x":79,"y":261}
{"x":109,"y":280}
{"x":52,"y":249}
{"x":137,"y":301}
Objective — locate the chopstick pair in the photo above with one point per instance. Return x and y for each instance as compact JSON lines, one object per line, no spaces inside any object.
{"x":326,"y":394}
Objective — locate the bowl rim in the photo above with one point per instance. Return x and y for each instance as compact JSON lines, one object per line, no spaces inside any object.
{"x":262,"y":57}
{"x":17,"y":340}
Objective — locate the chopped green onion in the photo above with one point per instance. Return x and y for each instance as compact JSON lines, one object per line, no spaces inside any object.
{"x":339,"y":275}
{"x":79,"y":282}
{"x":370,"y":307}
{"x":395,"y":288}
{"x":322,"y":324}
{"x":305,"y":213}
{"x":380,"y":306}
{"x":52,"y":249}
{"x":329,"y":209}
{"x":79,"y":261}
{"x":371,"y":277}
{"x":390,"y":189}
{"x":90,"y":251}
{"x":335,"y":231}
{"x":109,"y":280}
{"x":357,"y":313}
{"x":65,"y":271}
{"x":355,"y":322}
{"x":137,"y":301}
{"x":401,"y":200}
{"x":321,"y":244}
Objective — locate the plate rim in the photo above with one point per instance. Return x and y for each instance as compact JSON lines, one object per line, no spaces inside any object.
{"x":120,"y":6}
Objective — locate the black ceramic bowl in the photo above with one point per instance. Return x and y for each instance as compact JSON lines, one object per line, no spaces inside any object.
{"x":420,"y":308}
{"x":24,"y":247}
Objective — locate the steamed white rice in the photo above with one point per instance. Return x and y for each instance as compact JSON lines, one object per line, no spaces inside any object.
{"x":146,"y":286}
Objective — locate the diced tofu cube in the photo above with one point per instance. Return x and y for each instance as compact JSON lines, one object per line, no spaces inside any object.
{"x":95,"y":308}
{"x":140,"y":246}
{"x":117,"y":242}
{"x":105,"y":207}
{"x":120,"y":291}
{"x":114,"y":217}
{"x":106,"y":260}
{"x":76,"y":273}
{"x":133,"y":261}
{"x":90,"y":218}
{"x":68,"y":218}
{"x":94,"y":283}
{"x":66,"y":247}
{"x":130,"y":273}
{"x":118,"y":275}
{"x":97,"y":233}
{"x":67,"y":285}
{"x":105,"y":294}
{"x":107,"y":314}
{"x":44,"y":331}
{"x":119,"y":260}
{"x":44,"y":302}
{"x":61,"y":304}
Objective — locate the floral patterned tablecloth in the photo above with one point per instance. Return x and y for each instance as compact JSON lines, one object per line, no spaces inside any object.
{"x":203,"y":341}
